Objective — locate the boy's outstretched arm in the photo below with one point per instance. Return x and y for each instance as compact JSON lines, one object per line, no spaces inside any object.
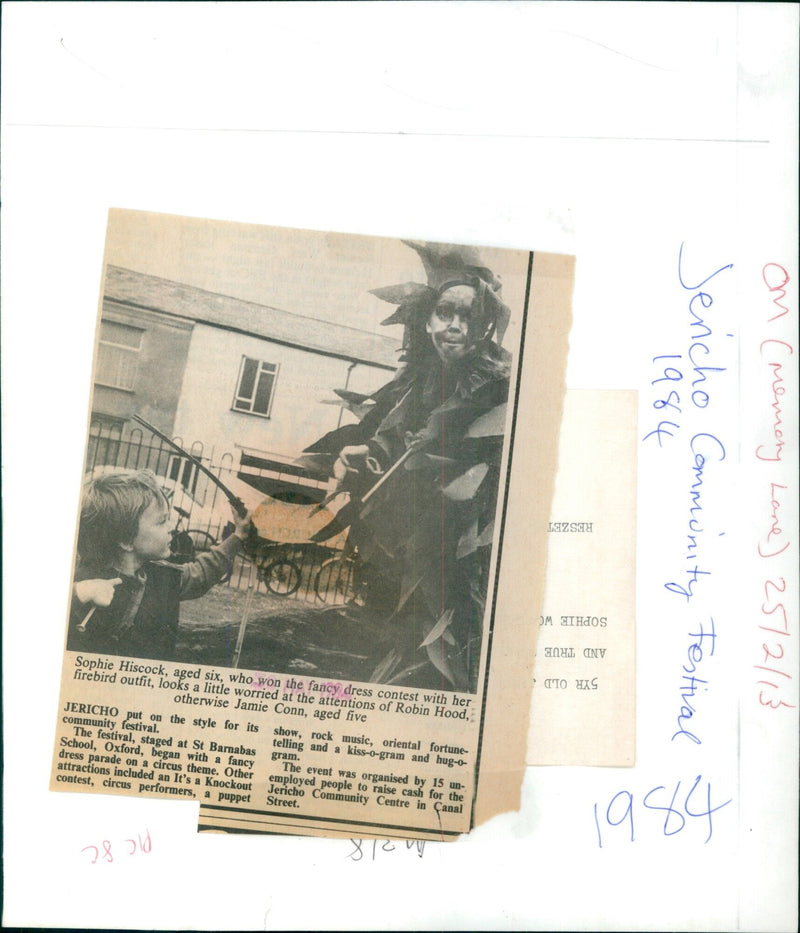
{"x":198,"y":576}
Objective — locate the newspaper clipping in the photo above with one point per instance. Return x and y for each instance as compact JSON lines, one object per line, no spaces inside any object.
{"x":311,"y":543}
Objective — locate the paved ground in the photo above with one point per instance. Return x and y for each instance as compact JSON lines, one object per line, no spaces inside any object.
{"x":293,"y":635}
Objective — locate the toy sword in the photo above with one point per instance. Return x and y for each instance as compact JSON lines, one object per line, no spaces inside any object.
{"x":238,"y":506}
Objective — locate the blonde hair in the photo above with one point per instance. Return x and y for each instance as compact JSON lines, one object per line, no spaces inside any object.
{"x":110,"y":512}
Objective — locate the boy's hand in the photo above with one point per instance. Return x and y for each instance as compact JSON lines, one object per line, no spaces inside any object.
{"x":241,"y":524}
{"x":98,"y":592}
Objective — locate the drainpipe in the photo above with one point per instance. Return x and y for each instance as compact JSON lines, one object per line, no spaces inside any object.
{"x":350,"y":368}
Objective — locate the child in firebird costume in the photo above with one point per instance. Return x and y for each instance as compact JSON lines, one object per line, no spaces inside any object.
{"x":125,"y":596}
{"x":424,"y":541}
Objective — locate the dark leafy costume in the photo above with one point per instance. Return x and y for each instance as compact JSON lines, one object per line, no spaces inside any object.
{"x":425,"y":537}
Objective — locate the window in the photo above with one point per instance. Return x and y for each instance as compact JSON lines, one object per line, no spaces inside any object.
{"x":185,"y":472}
{"x":255,"y":387}
{"x":118,"y":355}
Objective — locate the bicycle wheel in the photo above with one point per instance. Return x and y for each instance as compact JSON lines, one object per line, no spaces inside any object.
{"x":181,"y":547}
{"x":201,"y":540}
{"x":282,"y":577}
{"x":334,"y":582}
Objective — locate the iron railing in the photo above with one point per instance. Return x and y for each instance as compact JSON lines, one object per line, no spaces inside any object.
{"x":305,"y":571}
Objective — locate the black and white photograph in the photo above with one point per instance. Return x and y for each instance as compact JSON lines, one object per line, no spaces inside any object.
{"x":296,"y":451}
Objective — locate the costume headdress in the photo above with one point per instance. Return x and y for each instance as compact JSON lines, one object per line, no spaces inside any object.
{"x":446,"y":266}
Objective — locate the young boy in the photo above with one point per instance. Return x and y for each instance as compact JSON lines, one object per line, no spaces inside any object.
{"x":121,"y":579}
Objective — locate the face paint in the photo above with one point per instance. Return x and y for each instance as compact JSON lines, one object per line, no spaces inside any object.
{"x":450,"y":322}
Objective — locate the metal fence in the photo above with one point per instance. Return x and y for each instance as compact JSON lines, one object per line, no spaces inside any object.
{"x":202,"y":517}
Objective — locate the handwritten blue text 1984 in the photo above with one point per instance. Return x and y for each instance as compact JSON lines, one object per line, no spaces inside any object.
{"x":622,"y":806}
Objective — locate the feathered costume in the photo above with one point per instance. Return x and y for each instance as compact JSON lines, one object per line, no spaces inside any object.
{"x":425,"y":539}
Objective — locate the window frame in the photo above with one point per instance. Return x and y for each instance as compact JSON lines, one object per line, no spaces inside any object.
{"x":272,"y":369}
{"x":124,"y":348}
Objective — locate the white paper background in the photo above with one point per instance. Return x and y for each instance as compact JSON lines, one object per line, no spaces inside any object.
{"x":611,"y":131}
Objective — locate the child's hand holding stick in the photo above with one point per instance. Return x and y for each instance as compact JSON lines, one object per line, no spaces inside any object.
{"x":99,"y":592}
